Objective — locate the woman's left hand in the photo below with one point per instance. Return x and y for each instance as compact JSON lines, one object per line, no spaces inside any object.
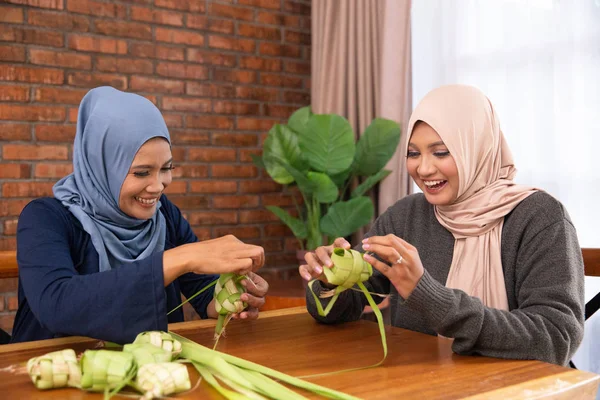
{"x":405,"y":268}
{"x":256,"y":288}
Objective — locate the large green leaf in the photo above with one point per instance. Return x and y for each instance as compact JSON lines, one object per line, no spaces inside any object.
{"x":341,"y":178}
{"x":258,"y":161}
{"x":376,"y":146}
{"x":370,"y":182}
{"x":329,"y":145}
{"x":298,"y":121}
{"x":281,"y":144}
{"x":297,"y":226}
{"x":326,"y":190}
{"x":344,"y":218}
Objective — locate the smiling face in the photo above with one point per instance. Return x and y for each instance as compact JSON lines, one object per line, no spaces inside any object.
{"x":148,"y":176}
{"x":431,"y":165}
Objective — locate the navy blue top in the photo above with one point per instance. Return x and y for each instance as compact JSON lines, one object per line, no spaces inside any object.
{"x":61,"y":292}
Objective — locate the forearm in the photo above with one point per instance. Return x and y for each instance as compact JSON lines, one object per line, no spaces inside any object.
{"x":173,"y":266}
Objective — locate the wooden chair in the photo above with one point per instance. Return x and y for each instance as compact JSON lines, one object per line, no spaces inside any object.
{"x":8,"y":264}
{"x":591,"y":262}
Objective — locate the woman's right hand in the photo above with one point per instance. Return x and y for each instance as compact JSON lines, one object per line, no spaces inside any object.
{"x":215,"y":256}
{"x":319,"y":259}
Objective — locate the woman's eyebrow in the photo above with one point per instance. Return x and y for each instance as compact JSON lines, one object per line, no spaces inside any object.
{"x":440,"y":143}
{"x":146,"y":166}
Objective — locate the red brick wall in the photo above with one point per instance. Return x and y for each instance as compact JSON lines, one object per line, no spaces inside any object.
{"x":221,"y":71}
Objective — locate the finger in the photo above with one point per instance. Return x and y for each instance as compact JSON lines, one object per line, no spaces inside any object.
{"x":323,"y":255}
{"x":378,"y":265}
{"x":253,"y":301}
{"x":303,"y":270}
{"x":250,"y":313}
{"x":386,"y":253}
{"x":256,"y":285}
{"x":241,"y":266}
{"x":314,"y":264}
{"x":246,"y":251}
{"x":341,"y":242}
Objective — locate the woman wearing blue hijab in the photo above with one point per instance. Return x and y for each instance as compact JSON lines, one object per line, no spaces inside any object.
{"x":109,"y":255}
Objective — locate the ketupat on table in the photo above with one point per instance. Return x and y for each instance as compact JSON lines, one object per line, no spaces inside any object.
{"x":418,"y":366}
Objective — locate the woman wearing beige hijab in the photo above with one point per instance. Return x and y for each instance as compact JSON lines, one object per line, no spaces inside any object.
{"x":494,"y":265}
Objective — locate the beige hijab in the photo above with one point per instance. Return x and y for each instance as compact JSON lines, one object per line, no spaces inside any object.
{"x":467,"y":123}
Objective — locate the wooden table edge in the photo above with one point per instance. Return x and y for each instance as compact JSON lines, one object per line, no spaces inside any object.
{"x":176,"y":327}
{"x":565,"y":383}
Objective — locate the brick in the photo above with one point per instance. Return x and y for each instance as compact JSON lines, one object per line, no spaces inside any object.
{"x":289,"y":21}
{"x":2,"y":307}
{"x":11,"y":208}
{"x":209,"y":57}
{"x":231,"y":43}
{"x":185,"y":71}
{"x":124,"y":65}
{"x":278,"y":199}
{"x":291,"y":244}
{"x":60,"y":59}
{"x":236,"y":76}
{"x":97,"y":8}
{"x":173,"y":120}
{"x":245,"y":155}
{"x":302,"y":98}
{"x":14,"y":93}
{"x":254,"y":124}
{"x":132,"y":30}
{"x":92,"y":80}
{"x":228,"y":11}
{"x":202,"y":234}
{"x":32,"y":113}
{"x":240,"y":232}
{"x":72,"y":114}
{"x":272,"y":4}
{"x":256,"y":93}
{"x":252,"y":216}
{"x":296,"y":7}
{"x":235,"y":201}
{"x":11,"y":15}
{"x":189,"y":136}
{"x":58,"y":20}
{"x":97,"y":45}
{"x":9,"y":284}
{"x":213,"y":186}
{"x":47,"y":170}
{"x":296,"y":67}
{"x":209,"y":90}
{"x":7,"y":321}
{"x":12,"y":303}
{"x":14,"y":171}
{"x":14,"y":132}
{"x":276,"y":230}
{"x":162,"y":17}
{"x":55,"y":133}
{"x":178,"y":153}
{"x":235,"y":108}
{"x":190,"y":171}
{"x":259,"y":186}
{"x":279,"y":111}
{"x":188,"y":5}
{"x":186,"y":104}
{"x":269,"y":245}
{"x":233,"y":171}
{"x":218,"y":25}
{"x":144,"y":84}
{"x":213,"y":218}
{"x":178,"y":187}
{"x":208,"y":122}
{"x":147,"y":50}
{"x":190,"y":202}
{"x":12,"y":53}
{"x":234,"y":139}
{"x":34,"y":152}
{"x":265,"y":64}
{"x":54,"y":4}
{"x":211,"y":154}
{"x":58,"y":95}
{"x":10,"y":226}
{"x":196,"y":21}
{"x":17,"y":34}
{"x":297,"y":37}
{"x":27,"y":189}
{"x":281,"y":81}
{"x":281,"y":50}
{"x":259,"y":32}
{"x":179,"y":37}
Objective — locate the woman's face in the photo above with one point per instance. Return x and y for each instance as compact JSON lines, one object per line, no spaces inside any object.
{"x":431,"y":165}
{"x":148,"y":176}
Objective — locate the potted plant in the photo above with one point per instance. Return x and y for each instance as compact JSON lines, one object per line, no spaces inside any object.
{"x":318,"y":153}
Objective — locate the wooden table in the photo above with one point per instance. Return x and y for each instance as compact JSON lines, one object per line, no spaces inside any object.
{"x":418,"y":366}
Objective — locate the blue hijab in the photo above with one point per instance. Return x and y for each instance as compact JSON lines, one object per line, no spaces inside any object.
{"x":111,"y":127}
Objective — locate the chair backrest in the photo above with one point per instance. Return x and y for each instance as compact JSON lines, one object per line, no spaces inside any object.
{"x":591,"y":261}
{"x":8,"y":264}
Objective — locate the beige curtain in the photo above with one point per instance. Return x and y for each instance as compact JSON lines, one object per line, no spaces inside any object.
{"x":361,"y":69}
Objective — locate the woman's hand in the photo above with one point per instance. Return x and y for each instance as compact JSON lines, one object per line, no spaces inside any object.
{"x":321,"y":258}
{"x":256,"y":289}
{"x":405,"y":268}
{"x":215,"y":256}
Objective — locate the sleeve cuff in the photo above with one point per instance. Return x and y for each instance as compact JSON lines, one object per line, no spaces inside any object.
{"x":431,"y":299}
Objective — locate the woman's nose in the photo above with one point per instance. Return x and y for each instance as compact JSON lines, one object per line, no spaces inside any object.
{"x":426,"y":167}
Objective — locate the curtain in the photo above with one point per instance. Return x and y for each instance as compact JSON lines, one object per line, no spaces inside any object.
{"x":361,"y":69}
